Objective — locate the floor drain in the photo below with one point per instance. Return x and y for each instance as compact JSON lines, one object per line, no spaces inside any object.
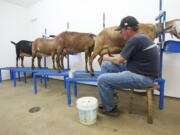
{"x":115,"y":130}
{"x":34,"y":109}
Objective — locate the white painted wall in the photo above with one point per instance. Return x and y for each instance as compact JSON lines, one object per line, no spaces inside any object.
{"x":86,"y":16}
{"x":14,"y":27}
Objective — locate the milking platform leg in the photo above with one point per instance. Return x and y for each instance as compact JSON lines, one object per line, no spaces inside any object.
{"x":19,"y":76}
{"x":68,"y":85}
{"x":75,"y":89}
{"x":35,"y":84}
{"x":40,"y":79}
{"x":11,"y":74}
{"x":45,"y":81}
{"x":161,"y":83}
{"x":65,"y":81}
{"x":14,"y":78}
{"x":0,"y":76}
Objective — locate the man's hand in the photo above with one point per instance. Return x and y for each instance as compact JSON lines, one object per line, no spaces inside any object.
{"x":107,"y":57}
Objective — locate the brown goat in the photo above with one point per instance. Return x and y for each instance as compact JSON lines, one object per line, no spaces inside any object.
{"x":44,"y":47}
{"x":74,"y":42}
{"x":113,"y":41}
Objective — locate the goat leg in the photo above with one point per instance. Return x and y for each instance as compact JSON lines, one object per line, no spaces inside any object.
{"x":33,"y":62}
{"x":91,"y":63}
{"x":22,"y":61}
{"x":58,"y":62}
{"x":86,"y":60}
{"x":53,"y":57}
{"x":100,"y":60}
{"x":17,"y":61}
{"x":39,"y":62}
{"x":62,"y":61}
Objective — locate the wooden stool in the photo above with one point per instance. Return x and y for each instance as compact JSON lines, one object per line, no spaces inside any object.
{"x":149,"y":92}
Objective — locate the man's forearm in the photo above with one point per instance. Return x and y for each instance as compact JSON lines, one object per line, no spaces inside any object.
{"x":116,"y":59}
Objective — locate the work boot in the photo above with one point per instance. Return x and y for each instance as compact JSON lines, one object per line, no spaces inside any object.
{"x":113,"y":113}
{"x":116,"y":98}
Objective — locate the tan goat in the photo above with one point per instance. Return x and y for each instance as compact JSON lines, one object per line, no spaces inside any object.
{"x":74,"y":42}
{"x":44,"y":47}
{"x":113,"y":41}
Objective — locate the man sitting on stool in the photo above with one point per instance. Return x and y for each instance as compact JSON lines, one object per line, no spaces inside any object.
{"x":135,"y":67}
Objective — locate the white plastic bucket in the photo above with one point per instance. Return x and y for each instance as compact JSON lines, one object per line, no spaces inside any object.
{"x":87,"y":107}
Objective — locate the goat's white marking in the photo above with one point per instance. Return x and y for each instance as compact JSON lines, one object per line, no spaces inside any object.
{"x":151,"y":46}
{"x":38,"y":49}
{"x":177,"y":26}
{"x":43,"y":54}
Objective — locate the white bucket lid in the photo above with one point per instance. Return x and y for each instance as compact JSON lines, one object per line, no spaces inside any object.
{"x":87,"y":103}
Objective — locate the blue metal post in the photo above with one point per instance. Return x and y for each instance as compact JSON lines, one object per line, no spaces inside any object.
{"x":35,"y":84}
{"x":45,"y":81}
{"x":104,"y":19}
{"x":68,"y":54}
{"x":0,"y":76}
{"x":162,"y":20}
{"x":160,"y":80}
{"x":45,"y":33}
{"x":75,"y":88}
{"x":160,"y":5}
{"x":161,"y":99}
{"x":65,"y":81}
{"x":40,"y":79}
{"x":162,"y":40}
{"x":14,"y":78}
{"x":68,"y":85}
{"x":19,"y":76}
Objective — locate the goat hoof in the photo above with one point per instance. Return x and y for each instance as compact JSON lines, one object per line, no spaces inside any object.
{"x":92,"y":73}
{"x":59,"y":71}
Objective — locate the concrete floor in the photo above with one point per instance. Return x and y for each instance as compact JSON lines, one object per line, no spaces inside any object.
{"x":56,"y":118}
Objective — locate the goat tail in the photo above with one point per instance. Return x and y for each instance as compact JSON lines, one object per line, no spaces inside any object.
{"x":13,"y":42}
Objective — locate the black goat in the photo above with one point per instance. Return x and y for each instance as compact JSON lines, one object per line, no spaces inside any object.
{"x":23,"y":48}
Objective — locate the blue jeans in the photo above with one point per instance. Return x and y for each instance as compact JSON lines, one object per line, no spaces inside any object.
{"x":116,"y":76}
